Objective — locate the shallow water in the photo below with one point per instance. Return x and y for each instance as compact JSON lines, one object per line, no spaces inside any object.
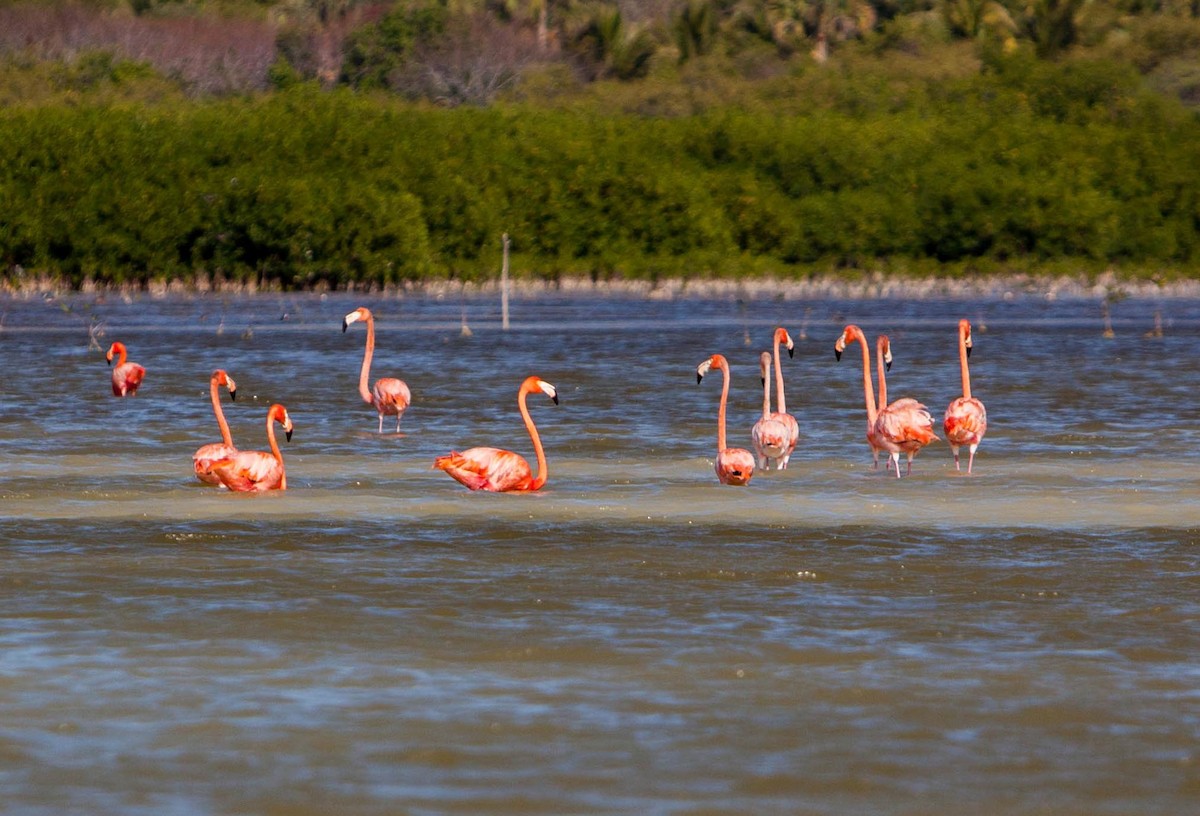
{"x":635,"y":638}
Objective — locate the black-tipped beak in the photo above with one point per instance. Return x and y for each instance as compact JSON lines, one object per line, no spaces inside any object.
{"x":699,"y":377}
{"x":233,"y":394}
{"x":110,"y":362}
{"x":345,"y":325}
{"x":762,"y":381}
{"x":791,"y":353}
{"x":288,"y":435}
{"x":837,"y":355}
{"x":968,"y":351}
{"x":887,"y":366}
{"x":555,"y":398}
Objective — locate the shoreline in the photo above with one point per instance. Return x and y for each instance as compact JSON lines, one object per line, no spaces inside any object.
{"x":866,"y":287}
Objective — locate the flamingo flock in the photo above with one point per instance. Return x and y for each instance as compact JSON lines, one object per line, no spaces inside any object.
{"x":903,"y":426}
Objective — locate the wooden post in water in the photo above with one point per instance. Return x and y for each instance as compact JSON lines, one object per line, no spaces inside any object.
{"x":504,"y":287}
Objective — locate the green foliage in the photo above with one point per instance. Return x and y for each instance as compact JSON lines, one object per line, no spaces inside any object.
{"x":375,"y":51}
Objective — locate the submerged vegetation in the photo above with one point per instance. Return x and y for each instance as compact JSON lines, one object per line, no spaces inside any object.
{"x":307,"y":143}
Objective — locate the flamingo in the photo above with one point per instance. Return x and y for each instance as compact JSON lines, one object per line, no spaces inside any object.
{"x":248,"y":471}
{"x":502,"y":471}
{"x":734,"y":466}
{"x":849,"y":335}
{"x":966,"y":418}
{"x":390,"y":395}
{"x":905,"y":425}
{"x":769,"y":435}
{"x":126,"y":377}
{"x":204,"y":458}
{"x":781,"y":413}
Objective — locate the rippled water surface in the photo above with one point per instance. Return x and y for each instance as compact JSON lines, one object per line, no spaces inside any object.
{"x":635,"y":638}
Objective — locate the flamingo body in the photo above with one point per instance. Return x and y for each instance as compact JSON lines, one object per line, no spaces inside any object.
{"x":257,"y":471}
{"x":502,"y":471}
{"x":126,"y":376}
{"x":966,"y":418}
{"x":905,"y":427}
{"x":734,"y":466}
{"x":390,"y":396}
{"x":208,"y":455}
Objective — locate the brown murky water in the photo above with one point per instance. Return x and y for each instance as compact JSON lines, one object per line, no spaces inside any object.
{"x":634,"y":639}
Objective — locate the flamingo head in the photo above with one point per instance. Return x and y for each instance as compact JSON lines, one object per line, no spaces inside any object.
{"x":764,"y":365}
{"x":716,"y":361}
{"x":884,"y":350}
{"x":782,"y":336}
{"x":964,"y":329}
{"x":115,"y":348}
{"x":279,"y":414}
{"x":361,"y":313}
{"x":849,"y":335}
{"x":549,"y":390}
{"x":221,"y":378}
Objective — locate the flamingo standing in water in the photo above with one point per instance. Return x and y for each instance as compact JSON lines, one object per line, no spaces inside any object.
{"x":204,"y":458}
{"x":966,"y":418}
{"x":390,"y":395}
{"x":735,"y":466}
{"x":502,"y":471}
{"x":781,"y":413}
{"x":126,"y":377}
{"x":905,"y":425}
{"x":248,"y":471}
{"x":850,"y":334}
{"x":769,"y":435}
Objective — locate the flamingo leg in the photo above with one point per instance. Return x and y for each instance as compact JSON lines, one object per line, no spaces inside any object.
{"x":971,"y":458}
{"x":895,"y":459}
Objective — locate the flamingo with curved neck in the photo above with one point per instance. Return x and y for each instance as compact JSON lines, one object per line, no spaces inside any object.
{"x":904,"y":426}
{"x":126,"y":376}
{"x":781,"y":413}
{"x":734,"y":466}
{"x":851,"y":334}
{"x":207,"y":455}
{"x":390,"y":396}
{"x":502,"y":471}
{"x":966,"y":418}
{"x":251,"y":471}
{"x":769,"y":435}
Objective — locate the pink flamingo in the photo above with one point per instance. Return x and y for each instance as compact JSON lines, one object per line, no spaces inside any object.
{"x":248,"y":471}
{"x":502,"y":471}
{"x":735,"y":466}
{"x":390,"y":395}
{"x":204,"y":458}
{"x":966,"y":418}
{"x":126,"y":377}
{"x":781,"y":413}
{"x":770,"y":436}
{"x":905,"y":425}
{"x":850,"y":334}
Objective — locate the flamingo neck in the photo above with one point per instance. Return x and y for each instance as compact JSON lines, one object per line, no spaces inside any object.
{"x":365,"y":373}
{"x":543,"y":470}
{"x":215,"y":393}
{"x":868,"y":390}
{"x":766,"y":393}
{"x":275,"y":450}
{"x":721,"y":410}
{"x":120,"y":349}
{"x":962,"y":364}
{"x":779,"y":379}
{"x":881,"y":370}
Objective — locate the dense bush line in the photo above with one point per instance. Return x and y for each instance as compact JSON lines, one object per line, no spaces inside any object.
{"x":1025,"y":166}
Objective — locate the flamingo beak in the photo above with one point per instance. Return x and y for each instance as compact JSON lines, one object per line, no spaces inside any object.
{"x":968,"y":351}
{"x":837,"y":354}
{"x":233,"y":394}
{"x":288,"y":434}
{"x":791,"y":352}
{"x":345,"y":325}
{"x":887,"y":366}
{"x":555,"y":398}
{"x":699,"y":376}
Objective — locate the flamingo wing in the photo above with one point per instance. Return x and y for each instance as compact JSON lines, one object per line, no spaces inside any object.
{"x":965,"y":422}
{"x":771,"y":438}
{"x":906,"y":424}
{"x":207,"y":456}
{"x":489,"y":469}
{"x":250,"y":470}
